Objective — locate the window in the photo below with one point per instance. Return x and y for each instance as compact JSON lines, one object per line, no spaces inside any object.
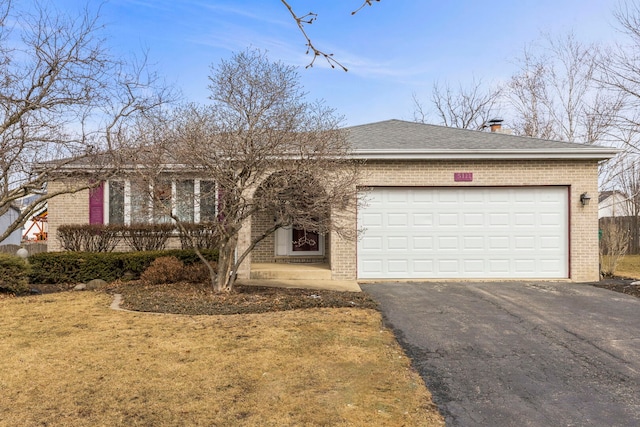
{"x":208,"y":198}
{"x":135,"y":201}
{"x":116,"y":202}
{"x":184,"y":200}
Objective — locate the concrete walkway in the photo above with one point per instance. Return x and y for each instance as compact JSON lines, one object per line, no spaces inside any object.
{"x":329,"y":285}
{"x":304,"y":276}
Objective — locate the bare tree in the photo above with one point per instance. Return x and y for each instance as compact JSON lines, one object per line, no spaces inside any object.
{"x":63,"y":96}
{"x":528,"y":97}
{"x":621,"y":72}
{"x":269,"y":152}
{"x":309,"y":18}
{"x":624,"y":176}
{"x":466,"y":108}
{"x":558,"y":94}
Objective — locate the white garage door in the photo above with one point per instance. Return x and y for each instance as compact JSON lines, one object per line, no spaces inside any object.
{"x":472,"y":232}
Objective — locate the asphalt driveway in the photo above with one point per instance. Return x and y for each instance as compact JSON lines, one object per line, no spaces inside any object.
{"x":521,"y":353}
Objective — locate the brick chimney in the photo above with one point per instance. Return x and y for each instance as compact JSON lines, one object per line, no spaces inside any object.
{"x":495,"y":125}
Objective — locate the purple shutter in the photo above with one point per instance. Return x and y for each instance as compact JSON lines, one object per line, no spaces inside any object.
{"x":96,"y":205}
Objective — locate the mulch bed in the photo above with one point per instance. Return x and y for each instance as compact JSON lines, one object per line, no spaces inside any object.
{"x":196,"y":299}
{"x":193,"y":299}
{"x":619,"y":284}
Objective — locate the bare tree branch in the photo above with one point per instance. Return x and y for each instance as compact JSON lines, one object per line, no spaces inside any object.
{"x":465,"y":107}
{"x":62,"y":96}
{"x":557,"y":94}
{"x":308,"y":19}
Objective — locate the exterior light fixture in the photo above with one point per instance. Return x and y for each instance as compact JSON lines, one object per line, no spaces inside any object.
{"x":584,"y":199}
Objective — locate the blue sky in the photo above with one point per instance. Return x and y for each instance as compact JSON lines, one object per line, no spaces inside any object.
{"x":393,"y":49}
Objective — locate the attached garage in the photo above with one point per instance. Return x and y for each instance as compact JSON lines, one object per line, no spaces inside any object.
{"x":464,"y":233}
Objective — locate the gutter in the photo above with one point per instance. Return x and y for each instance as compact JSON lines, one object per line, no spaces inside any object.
{"x":592,"y":153}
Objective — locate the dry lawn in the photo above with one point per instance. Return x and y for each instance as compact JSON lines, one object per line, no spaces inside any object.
{"x":68,"y":360}
{"x":629,"y":266}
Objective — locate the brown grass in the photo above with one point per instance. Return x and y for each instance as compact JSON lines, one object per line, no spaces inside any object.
{"x":69,"y":360}
{"x":629,"y":266}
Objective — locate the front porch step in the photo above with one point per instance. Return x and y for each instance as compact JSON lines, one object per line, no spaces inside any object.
{"x":290,"y":271}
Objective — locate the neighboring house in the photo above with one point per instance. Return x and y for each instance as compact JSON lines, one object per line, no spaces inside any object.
{"x":442,"y":203}
{"x":5,"y":221}
{"x":612,"y":204}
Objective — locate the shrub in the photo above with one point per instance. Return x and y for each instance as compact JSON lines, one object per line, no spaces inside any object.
{"x":13,"y":274}
{"x":147,"y":237}
{"x":614,"y":242}
{"x":74,"y":267}
{"x":198,"y":272}
{"x":166,"y":269}
{"x":90,"y":237}
{"x":201,"y":236}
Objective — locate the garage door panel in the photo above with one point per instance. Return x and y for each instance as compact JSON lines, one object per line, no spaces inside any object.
{"x":423,"y":266}
{"x":499,"y":266}
{"x":498,"y":219}
{"x":550,"y":219}
{"x":464,"y":233}
{"x":371,"y":244}
{"x":471,"y":243}
{"x":497,"y":243}
{"x":397,"y":266}
{"x":371,"y":220}
{"x":422,"y":243}
{"x":398,"y":220}
{"x":474,"y":266}
{"x":447,"y":220}
{"x":448,"y":243}
{"x":396,"y":197}
{"x":473,"y":197}
{"x":473,"y":219}
{"x":549,"y":265}
{"x":398,"y":243}
{"x":550,"y":242}
{"x":447,"y":197}
{"x":421,"y":197}
{"x":525,"y":219}
{"x":526,"y":266}
{"x":525,"y":243}
{"x":422,"y":219}
{"x":372,"y":267}
{"x":448,"y":266}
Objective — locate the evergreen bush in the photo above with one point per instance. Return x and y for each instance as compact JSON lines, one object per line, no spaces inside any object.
{"x":74,"y":267}
{"x":13,"y":274}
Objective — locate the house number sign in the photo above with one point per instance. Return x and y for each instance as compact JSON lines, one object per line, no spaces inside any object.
{"x":463,"y":176}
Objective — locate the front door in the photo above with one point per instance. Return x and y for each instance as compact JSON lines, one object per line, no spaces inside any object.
{"x":305,"y":241}
{"x":295,"y":242}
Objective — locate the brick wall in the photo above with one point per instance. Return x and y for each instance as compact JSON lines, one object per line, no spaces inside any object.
{"x":265,"y":250}
{"x":65,"y":209}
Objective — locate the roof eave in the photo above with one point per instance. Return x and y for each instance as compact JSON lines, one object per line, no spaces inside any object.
{"x":570,"y":154}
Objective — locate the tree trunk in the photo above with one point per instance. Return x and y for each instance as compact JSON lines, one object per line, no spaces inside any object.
{"x":226,"y":262}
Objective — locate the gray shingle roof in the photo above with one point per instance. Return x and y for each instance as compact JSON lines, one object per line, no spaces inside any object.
{"x":397,"y":138}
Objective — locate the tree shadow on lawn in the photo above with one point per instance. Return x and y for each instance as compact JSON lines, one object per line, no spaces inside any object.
{"x":199,"y":299}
